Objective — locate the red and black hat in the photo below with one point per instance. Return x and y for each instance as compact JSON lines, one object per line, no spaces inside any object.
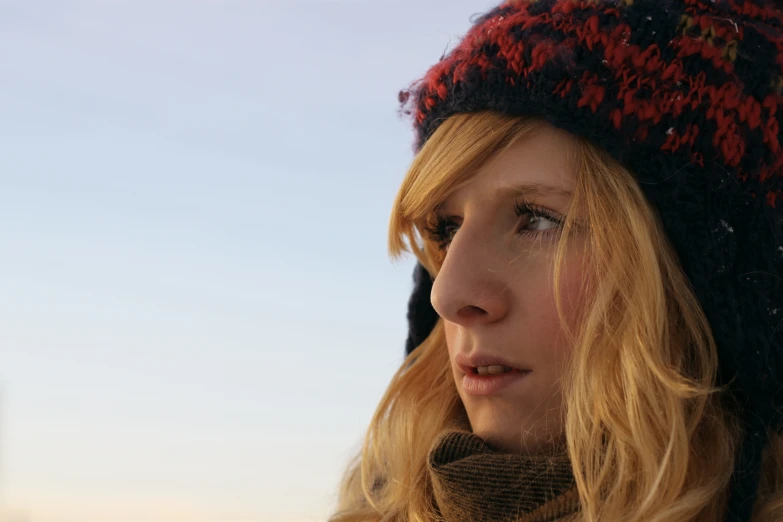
{"x":685,"y":94}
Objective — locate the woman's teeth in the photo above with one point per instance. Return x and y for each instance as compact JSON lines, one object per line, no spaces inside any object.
{"x":496,"y":369}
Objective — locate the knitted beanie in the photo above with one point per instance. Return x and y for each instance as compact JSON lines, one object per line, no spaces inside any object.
{"x":685,"y":94}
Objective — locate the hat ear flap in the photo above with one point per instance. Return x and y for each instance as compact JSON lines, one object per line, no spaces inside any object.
{"x":421,"y":315}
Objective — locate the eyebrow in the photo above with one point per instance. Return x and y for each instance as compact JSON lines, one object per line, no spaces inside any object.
{"x":529,"y":189}
{"x":532,"y":189}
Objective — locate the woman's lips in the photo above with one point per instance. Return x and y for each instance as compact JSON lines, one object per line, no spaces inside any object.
{"x":468,"y":363}
{"x":484,"y":385}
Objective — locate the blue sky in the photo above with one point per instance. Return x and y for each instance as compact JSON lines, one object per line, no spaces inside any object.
{"x":198,"y":314}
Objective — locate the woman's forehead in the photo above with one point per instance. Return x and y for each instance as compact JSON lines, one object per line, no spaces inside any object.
{"x":539,"y":166}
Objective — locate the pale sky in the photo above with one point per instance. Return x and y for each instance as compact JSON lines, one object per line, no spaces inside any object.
{"x":198,"y":314}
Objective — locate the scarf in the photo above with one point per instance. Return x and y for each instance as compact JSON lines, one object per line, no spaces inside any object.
{"x":475,"y":483}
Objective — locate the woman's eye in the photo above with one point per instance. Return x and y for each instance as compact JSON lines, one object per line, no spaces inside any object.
{"x":536,"y":221}
{"x":442,"y":232}
{"x":536,"y":216}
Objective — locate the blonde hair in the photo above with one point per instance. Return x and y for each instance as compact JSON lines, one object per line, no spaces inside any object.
{"x":651,"y":439}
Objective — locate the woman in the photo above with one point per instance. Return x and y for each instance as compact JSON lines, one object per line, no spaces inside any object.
{"x":596,"y":328}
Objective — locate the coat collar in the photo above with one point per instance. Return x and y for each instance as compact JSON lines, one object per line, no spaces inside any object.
{"x":475,"y":483}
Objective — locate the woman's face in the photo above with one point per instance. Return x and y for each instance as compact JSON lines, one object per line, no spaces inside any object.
{"x":495,"y":290}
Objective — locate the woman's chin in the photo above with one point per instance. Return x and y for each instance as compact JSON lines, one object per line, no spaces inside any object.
{"x":500,"y":439}
{"x":517,"y":440}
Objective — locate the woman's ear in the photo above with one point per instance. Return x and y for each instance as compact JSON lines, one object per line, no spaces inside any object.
{"x":422,"y":317}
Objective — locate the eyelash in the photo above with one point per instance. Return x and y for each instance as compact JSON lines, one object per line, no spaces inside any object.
{"x":437,"y":231}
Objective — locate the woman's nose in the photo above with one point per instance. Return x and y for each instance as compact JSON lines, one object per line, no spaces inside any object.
{"x":470,"y":288}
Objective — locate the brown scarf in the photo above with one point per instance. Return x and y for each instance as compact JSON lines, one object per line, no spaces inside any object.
{"x":475,"y":483}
